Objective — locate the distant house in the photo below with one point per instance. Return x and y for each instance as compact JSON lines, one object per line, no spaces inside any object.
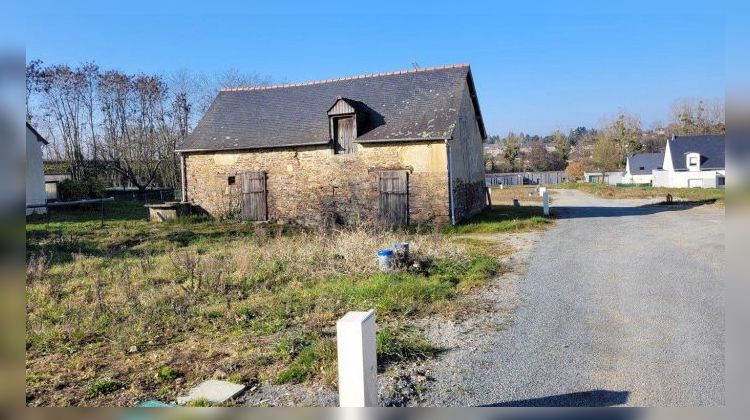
{"x":692,"y":162}
{"x":639,"y":168}
{"x":397,"y":147}
{"x":35,"y":192}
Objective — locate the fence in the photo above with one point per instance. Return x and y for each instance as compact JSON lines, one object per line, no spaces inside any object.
{"x":526,"y":178}
{"x":155,"y":195}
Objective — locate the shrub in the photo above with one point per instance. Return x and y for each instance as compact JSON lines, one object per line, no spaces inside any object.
{"x":167,"y":374}
{"x":103,"y":386}
{"x":574,"y":171}
{"x":72,"y":190}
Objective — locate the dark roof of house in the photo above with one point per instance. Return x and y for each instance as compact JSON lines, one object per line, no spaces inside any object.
{"x":647,"y":161}
{"x":410,"y":105}
{"x":710,"y":147}
{"x":36,"y":133}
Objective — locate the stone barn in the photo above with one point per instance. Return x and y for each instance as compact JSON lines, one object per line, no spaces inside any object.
{"x":400,"y":147}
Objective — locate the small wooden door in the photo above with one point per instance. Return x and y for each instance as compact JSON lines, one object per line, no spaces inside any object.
{"x":254,"y":207}
{"x":394,"y":197}
{"x":344,"y":134}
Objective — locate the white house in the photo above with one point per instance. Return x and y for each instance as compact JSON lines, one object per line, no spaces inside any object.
{"x":639,"y":168}
{"x":692,"y":162}
{"x":35,"y":191}
{"x":611,"y":178}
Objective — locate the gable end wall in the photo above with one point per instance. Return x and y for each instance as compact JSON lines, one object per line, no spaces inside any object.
{"x":467,"y":161}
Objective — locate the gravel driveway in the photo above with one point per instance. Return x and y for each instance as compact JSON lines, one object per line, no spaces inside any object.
{"x":621,"y":305}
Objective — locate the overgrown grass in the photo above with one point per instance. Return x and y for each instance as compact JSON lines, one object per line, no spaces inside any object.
{"x":501,"y":218}
{"x":612,"y":191}
{"x":259,"y":302}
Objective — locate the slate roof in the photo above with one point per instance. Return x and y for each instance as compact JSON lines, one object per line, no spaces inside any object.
{"x":647,"y":161}
{"x":410,"y":105}
{"x":710,"y":147}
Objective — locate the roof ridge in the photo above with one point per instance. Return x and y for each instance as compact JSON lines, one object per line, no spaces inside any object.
{"x":361,"y":76}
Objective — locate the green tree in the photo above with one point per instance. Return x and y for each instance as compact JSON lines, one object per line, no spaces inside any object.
{"x":512,"y":150}
{"x":605,"y":156}
{"x":561,"y":143}
{"x":625,"y":133}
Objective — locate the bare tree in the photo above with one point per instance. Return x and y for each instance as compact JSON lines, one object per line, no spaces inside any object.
{"x":139,"y":133}
{"x":696,"y":117}
{"x":62,"y":96}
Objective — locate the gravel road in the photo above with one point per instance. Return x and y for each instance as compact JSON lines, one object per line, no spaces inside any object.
{"x":621,"y":305}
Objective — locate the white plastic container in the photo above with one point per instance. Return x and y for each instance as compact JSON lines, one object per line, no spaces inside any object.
{"x":386,"y":260}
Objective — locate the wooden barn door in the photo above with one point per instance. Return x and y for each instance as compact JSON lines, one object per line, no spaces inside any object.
{"x":254,"y":207}
{"x":394,"y":197}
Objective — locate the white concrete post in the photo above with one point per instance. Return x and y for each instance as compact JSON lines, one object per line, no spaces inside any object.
{"x":542,"y":190}
{"x":358,"y":381}
{"x":545,"y":201}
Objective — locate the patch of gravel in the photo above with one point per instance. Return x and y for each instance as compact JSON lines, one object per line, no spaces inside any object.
{"x":461,"y":339}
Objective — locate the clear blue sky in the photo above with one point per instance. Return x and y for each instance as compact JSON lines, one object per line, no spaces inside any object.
{"x":537,"y":66}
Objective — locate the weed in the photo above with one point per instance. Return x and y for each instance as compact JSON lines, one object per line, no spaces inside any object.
{"x":103,"y":386}
{"x":167,"y":374}
{"x":396,"y":344}
{"x":199,"y":402}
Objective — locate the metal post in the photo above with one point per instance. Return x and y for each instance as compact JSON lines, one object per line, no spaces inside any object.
{"x":102,"y":219}
{"x":545,"y":201}
{"x":357,"y":359}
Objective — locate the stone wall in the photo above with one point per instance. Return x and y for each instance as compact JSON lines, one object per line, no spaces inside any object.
{"x":309,"y":185}
{"x":467,"y":161}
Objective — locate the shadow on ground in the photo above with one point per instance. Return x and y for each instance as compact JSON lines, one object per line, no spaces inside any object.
{"x":577,"y":212}
{"x":594,"y":398}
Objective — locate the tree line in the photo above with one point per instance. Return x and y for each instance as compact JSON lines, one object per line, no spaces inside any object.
{"x":603,"y":149}
{"x":100,"y":120}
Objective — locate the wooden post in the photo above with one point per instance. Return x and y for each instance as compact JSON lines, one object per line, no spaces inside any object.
{"x":355,"y":335}
{"x":545,"y":201}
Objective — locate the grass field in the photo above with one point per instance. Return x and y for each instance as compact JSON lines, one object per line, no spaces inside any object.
{"x":132,"y":310}
{"x":611,"y":191}
{"x":526,"y":195}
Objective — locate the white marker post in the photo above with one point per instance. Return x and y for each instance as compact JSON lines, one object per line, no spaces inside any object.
{"x":545,"y":202}
{"x":358,"y":381}
{"x":542,"y":190}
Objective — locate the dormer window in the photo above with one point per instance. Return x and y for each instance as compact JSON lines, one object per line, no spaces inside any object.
{"x":693,"y":161}
{"x":342,"y":120}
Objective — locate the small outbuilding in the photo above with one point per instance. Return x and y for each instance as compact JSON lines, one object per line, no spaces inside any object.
{"x":398,"y":147}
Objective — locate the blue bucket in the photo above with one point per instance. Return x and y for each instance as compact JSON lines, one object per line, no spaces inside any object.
{"x":386,"y":262}
{"x":385,"y":252}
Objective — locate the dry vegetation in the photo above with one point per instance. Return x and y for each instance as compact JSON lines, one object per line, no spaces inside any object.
{"x":133,"y":311}
{"x":524,"y":194}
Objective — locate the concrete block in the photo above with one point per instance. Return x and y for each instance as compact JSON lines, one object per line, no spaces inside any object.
{"x":213,"y":391}
{"x":355,"y":335}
